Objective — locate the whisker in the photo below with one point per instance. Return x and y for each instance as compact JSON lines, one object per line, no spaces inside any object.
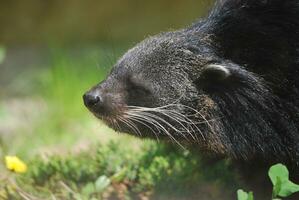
{"x":143,"y":122}
{"x":179,"y":117}
{"x":117,"y":124}
{"x":157,"y":117}
{"x":180,"y":122}
{"x":162,"y":128}
{"x":130,"y":125}
{"x":201,"y":115}
{"x":145,"y":118}
{"x":165,"y":122}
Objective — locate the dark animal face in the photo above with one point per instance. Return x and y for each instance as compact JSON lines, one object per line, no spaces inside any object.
{"x":153,"y":89}
{"x":229,"y":82}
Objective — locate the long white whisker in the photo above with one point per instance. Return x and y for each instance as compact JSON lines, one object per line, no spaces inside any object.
{"x":145,"y":118}
{"x":143,"y":122}
{"x":180,"y":122}
{"x":201,"y":115}
{"x":162,"y":127}
{"x":130,"y":125}
{"x":164,"y":121}
{"x":157,"y":117}
{"x":179,"y":117}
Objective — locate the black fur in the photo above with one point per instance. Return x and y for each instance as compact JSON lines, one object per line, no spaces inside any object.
{"x":262,"y":37}
{"x":253,"y":113}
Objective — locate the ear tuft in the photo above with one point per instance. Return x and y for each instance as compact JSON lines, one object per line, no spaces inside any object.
{"x":216,"y":72}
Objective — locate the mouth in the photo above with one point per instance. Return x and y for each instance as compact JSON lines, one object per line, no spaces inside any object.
{"x":163,"y":122}
{"x":112,"y":119}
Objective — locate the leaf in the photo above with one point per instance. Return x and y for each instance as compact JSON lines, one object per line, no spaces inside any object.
{"x":288,"y":188}
{"x":250,"y":196}
{"x":101,"y":183}
{"x":277,"y":187}
{"x":242,"y":195}
{"x":278,"y":170}
{"x":282,"y":186}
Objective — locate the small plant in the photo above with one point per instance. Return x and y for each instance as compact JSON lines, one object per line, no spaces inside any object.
{"x":242,"y":195}
{"x":282,"y":186}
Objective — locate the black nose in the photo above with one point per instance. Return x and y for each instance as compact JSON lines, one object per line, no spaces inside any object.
{"x":98,"y":102}
{"x":91,"y":99}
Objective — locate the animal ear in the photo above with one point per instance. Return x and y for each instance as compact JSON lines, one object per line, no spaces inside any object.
{"x":215,"y":72}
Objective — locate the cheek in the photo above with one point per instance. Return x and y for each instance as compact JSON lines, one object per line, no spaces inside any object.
{"x":206,"y":106}
{"x":137,"y":96}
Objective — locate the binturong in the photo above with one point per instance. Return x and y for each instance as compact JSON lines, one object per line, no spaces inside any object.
{"x":228,"y":84}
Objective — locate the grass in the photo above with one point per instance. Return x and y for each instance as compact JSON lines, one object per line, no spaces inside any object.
{"x":53,"y":105}
{"x":71,"y":155}
{"x":115,"y":170}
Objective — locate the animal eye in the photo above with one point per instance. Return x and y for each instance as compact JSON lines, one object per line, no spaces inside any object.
{"x":137,"y":87}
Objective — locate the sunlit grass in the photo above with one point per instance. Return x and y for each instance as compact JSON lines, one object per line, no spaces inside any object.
{"x":53,"y":116}
{"x":70,"y":75}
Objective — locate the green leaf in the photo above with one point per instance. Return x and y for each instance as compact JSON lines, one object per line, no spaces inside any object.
{"x":282,"y":186}
{"x":101,"y":183}
{"x":288,"y":188}
{"x":277,"y":187}
{"x":278,"y":170}
{"x":242,"y":195}
{"x":250,"y":196}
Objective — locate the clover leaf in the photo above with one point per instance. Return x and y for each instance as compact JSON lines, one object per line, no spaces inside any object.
{"x":282,"y":186}
{"x":242,"y":195}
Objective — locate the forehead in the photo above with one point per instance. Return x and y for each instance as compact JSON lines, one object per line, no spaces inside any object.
{"x":158,"y":50}
{"x":164,"y":55}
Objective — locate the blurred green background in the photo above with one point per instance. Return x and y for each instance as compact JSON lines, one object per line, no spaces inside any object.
{"x":53,"y":51}
{"x":92,"y":21}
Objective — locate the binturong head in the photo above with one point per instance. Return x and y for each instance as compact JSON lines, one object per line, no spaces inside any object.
{"x":164,"y":88}
{"x":226,"y":83}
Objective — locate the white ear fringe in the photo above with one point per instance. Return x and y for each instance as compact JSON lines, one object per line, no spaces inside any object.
{"x":219,"y":69}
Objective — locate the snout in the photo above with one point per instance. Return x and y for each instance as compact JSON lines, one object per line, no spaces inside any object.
{"x":91,"y":99}
{"x":97,"y":102}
